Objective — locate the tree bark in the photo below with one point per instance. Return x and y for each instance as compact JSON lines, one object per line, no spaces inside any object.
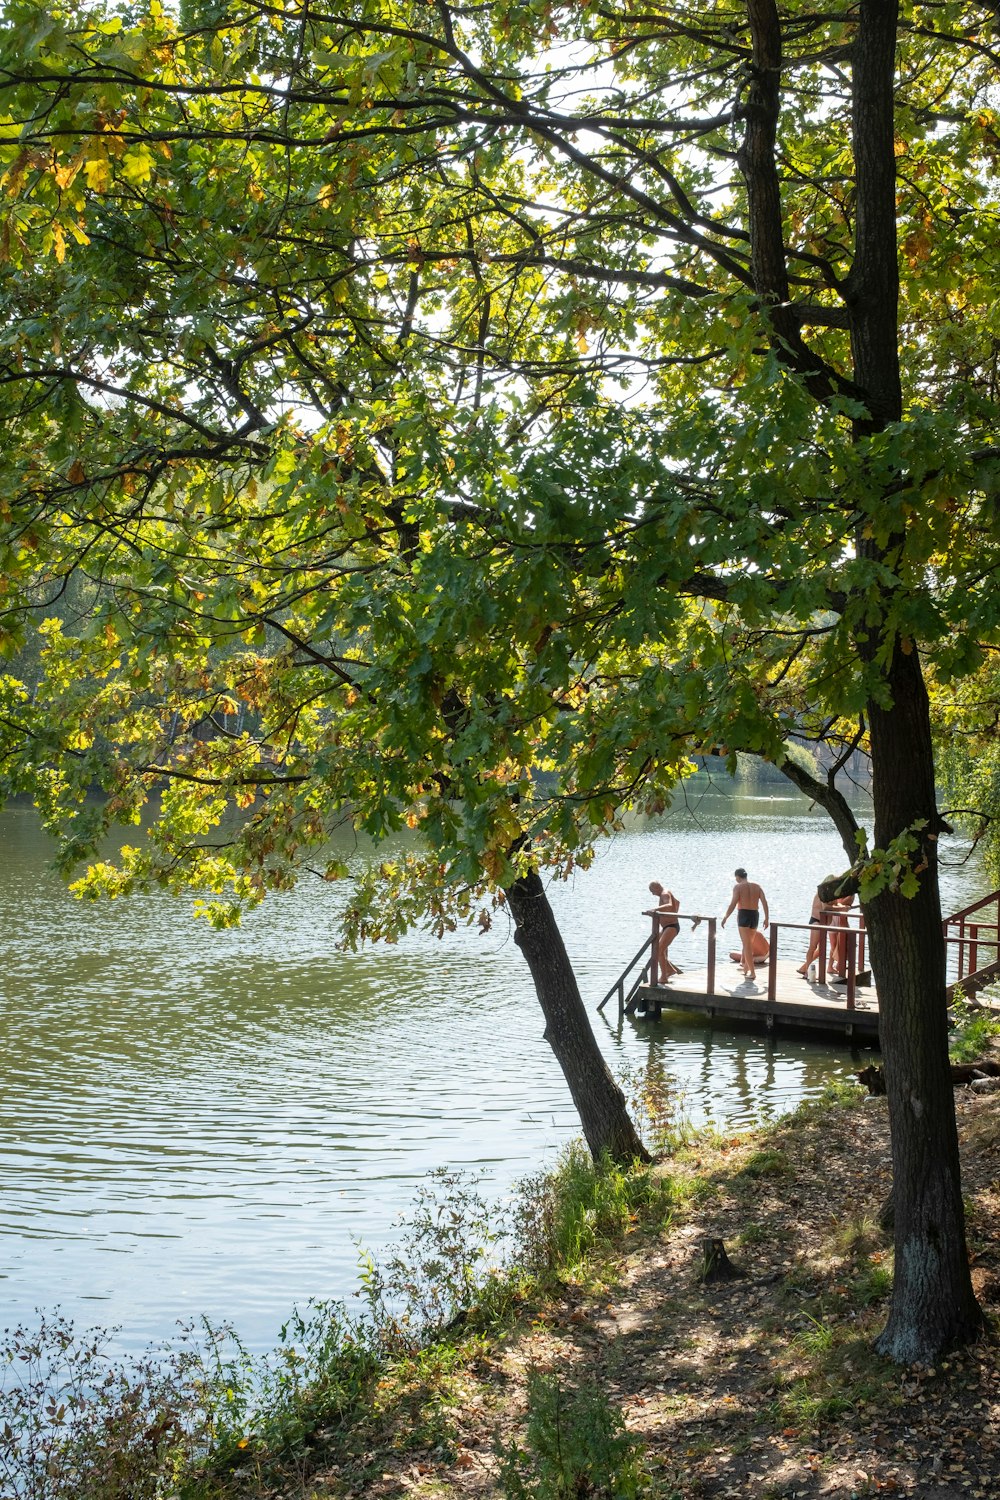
{"x":600,"y":1103}
{"x":933,"y":1306}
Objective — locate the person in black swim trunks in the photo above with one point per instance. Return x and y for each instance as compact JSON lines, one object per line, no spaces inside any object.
{"x":748,"y":900}
{"x":667,"y":903}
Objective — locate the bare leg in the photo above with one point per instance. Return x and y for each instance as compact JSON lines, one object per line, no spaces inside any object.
{"x":746,"y":934}
{"x":813,"y":952}
{"x":665,"y":968}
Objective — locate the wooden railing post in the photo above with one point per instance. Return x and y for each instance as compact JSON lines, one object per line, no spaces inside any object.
{"x":711,"y":956}
{"x":772,"y":966}
{"x":852,"y":965}
{"x":973,"y":948}
{"x":654,"y":965}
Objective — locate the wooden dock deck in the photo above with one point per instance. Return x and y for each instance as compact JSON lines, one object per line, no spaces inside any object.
{"x":799,"y":1004}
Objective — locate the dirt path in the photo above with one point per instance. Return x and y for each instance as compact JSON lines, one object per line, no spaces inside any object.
{"x":764,"y":1386}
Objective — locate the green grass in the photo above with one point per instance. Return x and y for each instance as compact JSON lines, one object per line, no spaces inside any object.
{"x":768,"y":1162}
{"x":974,"y":1033}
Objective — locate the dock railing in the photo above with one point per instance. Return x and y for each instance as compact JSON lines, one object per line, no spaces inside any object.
{"x":971,"y":940}
{"x":618,"y":988}
{"x":854,"y":938}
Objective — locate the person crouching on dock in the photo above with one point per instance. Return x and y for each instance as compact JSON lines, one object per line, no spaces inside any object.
{"x":748,"y":900}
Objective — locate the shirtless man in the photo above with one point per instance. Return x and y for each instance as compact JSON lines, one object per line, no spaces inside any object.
{"x":667,"y":903}
{"x":761,"y":948}
{"x":747,"y":898}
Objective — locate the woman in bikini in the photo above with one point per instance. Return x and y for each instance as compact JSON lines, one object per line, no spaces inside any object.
{"x":668,"y":903}
{"x":824,"y":914}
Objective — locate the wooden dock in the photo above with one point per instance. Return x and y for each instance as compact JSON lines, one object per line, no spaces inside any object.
{"x":782,"y":999}
{"x":799,"y":1004}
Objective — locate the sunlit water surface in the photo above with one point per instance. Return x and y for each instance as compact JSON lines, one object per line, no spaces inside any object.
{"x":199,"y":1122}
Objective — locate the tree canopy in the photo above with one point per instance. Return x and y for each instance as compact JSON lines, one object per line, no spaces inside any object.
{"x":459,"y":416}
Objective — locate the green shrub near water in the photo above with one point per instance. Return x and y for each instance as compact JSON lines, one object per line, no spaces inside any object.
{"x":207,"y":1419}
{"x":562,"y":1215}
{"x":973,"y":1034}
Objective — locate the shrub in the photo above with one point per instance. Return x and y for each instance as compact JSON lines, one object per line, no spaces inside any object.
{"x":575,"y":1444}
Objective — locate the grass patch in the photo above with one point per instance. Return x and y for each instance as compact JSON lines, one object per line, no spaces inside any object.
{"x":574,"y":1444}
{"x":768,"y":1162}
{"x":974,"y":1033}
{"x":564,"y":1215}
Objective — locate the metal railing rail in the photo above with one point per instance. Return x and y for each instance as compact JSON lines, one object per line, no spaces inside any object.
{"x":619,"y":985}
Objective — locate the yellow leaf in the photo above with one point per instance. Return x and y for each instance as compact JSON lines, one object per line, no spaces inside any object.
{"x":98,"y":174}
{"x":137,"y":165}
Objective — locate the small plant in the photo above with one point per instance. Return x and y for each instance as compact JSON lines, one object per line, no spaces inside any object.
{"x":76,"y":1425}
{"x":874,"y":1283}
{"x":575,"y":1444}
{"x":858,"y":1236}
{"x":656,"y":1103}
{"x":973,"y":1034}
{"x":767,"y":1163}
{"x":266,"y":1408}
{"x":754,"y":1234}
{"x":816,"y":1338}
{"x":431,"y":1279}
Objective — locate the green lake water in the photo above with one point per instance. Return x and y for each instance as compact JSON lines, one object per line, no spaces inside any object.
{"x":198,"y":1122}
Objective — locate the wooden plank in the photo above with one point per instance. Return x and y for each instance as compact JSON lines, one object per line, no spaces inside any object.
{"x":799,"y":1003}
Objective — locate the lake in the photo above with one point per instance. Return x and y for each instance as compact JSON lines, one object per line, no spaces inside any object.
{"x":211,"y":1122}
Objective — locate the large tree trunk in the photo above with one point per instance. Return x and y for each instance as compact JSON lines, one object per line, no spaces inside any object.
{"x":598,"y":1099}
{"x":933,"y":1305}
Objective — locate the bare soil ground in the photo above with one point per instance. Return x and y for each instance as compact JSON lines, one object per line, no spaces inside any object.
{"x":764,"y":1386}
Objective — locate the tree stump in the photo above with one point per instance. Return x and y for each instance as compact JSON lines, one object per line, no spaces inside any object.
{"x":715,"y":1263}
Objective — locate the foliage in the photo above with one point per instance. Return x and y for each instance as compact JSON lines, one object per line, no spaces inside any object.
{"x":459,"y":418}
{"x":561,"y":1216}
{"x":207,"y":1417}
{"x":430,"y":1281}
{"x":974,"y":1032}
{"x":574,"y":1444}
{"x":76,"y":1425}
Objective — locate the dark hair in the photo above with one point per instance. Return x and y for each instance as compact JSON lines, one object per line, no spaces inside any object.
{"x":740,"y":874}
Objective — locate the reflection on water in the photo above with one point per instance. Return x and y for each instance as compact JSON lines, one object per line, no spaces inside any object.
{"x":193,"y":1121}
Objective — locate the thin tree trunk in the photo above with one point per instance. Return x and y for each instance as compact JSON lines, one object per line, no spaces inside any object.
{"x":600,"y":1103}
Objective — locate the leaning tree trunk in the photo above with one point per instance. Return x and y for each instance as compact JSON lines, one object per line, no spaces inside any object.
{"x":933,"y":1305}
{"x":598,"y":1099}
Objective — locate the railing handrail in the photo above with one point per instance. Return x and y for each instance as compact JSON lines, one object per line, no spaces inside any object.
{"x":976,"y":906}
{"x":686,"y":916}
{"x":823,"y":926}
{"x":620,"y":981}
